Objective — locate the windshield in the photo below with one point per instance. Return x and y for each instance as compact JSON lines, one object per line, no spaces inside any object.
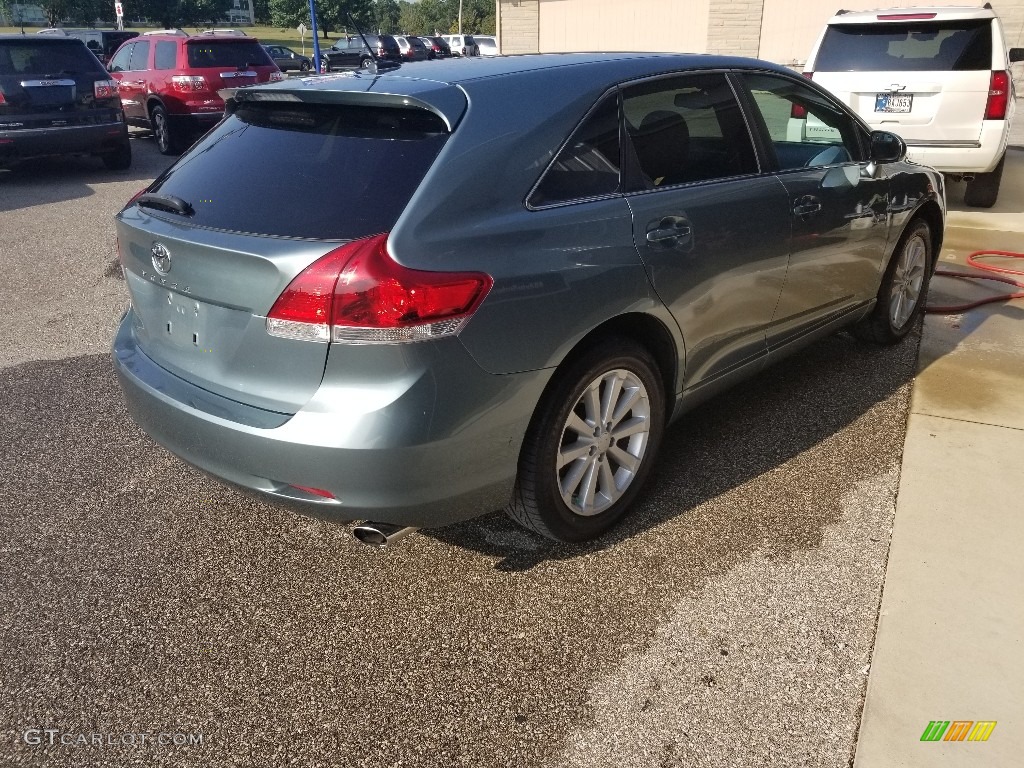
{"x":907,"y":47}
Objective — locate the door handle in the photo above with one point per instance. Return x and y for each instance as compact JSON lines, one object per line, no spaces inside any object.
{"x":669,"y":228}
{"x":806,"y":206}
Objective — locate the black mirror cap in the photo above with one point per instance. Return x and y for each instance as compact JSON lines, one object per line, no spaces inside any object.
{"x":1016,"y":54}
{"x":887,"y":147}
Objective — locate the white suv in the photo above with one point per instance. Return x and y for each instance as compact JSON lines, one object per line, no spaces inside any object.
{"x":938,"y":77}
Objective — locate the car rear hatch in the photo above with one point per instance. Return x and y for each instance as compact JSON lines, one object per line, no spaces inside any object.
{"x":926,"y":80}
{"x":227,"y":62}
{"x":275,"y":186}
{"x":52,"y":83}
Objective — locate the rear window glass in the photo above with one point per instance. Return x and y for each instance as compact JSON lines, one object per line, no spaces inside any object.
{"x":301,"y":170}
{"x":226,"y":53}
{"x":947,"y":46}
{"x":69,"y":57}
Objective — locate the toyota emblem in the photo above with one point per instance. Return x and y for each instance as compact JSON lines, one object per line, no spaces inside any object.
{"x":161,"y":258}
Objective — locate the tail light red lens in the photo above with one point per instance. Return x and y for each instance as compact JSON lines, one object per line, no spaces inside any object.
{"x":188,"y":83}
{"x":105,"y":89}
{"x":358,"y":294}
{"x":998,"y":96}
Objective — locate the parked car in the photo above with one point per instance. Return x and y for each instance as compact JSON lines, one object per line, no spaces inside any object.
{"x":287,"y":59}
{"x":102,"y":42}
{"x":488,"y":45}
{"x":462,"y":45}
{"x":415,"y":354}
{"x":350,"y":52}
{"x":939,"y":77}
{"x":169,"y":83}
{"x":57,"y":99}
{"x":437,"y":48}
{"x":412,"y":48}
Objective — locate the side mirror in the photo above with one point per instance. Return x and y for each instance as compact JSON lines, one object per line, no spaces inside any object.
{"x":1016,"y":54}
{"x":887,"y":147}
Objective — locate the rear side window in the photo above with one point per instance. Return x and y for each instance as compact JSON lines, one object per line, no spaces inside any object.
{"x":588,"y":165}
{"x":327,"y":172}
{"x":28,"y":58}
{"x":947,"y":46}
{"x":140,"y":56}
{"x":225,"y":53}
{"x":166,"y":56}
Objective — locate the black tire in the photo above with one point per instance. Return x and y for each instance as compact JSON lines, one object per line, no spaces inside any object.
{"x":325,"y":64}
{"x":891,"y":319}
{"x":167,"y":139}
{"x":304,"y":66}
{"x":365,"y":63}
{"x":538,"y":502}
{"x":120,"y":159}
{"x":983,"y":191}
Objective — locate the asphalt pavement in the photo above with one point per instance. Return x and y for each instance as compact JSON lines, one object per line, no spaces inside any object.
{"x":154,"y":617}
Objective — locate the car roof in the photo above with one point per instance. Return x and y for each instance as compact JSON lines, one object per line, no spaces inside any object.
{"x":441,"y":87}
{"x":42,"y":39}
{"x":900,"y":15}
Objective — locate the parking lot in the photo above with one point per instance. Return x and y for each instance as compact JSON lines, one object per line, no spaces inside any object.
{"x":730,"y":621}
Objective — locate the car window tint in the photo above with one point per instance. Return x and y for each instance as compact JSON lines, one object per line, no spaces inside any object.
{"x":224,"y":53}
{"x":911,"y":47}
{"x":166,"y":55}
{"x":50,"y":58}
{"x":140,"y":56}
{"x":360,"y":164}
{"x":806,"y":129}
{"x":120,"y":62}
{"x":588,"y":165}
{"x":686,"y":129}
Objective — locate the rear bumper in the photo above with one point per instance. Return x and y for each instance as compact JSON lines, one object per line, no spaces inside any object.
{"x":409,"y":448}
{"x":970,"y":157}
{"x":39,"y":142}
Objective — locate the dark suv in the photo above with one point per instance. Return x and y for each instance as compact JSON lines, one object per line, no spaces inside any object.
{"x":351,"y":53}
{"x":56,"y":99}
{"x":169,"y":82}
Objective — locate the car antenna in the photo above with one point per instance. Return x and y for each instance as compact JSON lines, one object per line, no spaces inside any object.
{"x":376,"y":65}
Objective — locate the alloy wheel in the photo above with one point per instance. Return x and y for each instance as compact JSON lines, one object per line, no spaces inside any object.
{"x":907,"y":281}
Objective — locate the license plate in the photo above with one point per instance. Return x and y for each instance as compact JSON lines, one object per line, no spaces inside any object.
{"x":893,"y":102}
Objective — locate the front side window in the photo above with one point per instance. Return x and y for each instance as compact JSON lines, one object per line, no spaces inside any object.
{"x":120,"y":62}
{"x":687,"y":129}
{"x":588,"y":165}
{"x":806,"y":129}
{"x":946,"y":46}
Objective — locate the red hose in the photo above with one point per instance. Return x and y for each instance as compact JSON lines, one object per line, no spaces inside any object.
{"x":973,"y":262}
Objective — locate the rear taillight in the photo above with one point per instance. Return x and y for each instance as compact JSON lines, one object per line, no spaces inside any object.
{"x":358,"y":294}
{"x":188,"y":83}
{"x":276,"y":76}
{"x":105,"y":89}
{"x":998,"y":96}
{"x":2,"y":99}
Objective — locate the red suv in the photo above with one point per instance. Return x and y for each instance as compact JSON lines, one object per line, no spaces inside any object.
{"x":169,"y":82}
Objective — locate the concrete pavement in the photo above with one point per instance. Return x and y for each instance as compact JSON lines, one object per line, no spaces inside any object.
{"x":949,"y":645}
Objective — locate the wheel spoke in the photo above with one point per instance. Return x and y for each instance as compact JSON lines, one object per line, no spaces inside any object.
{"x":579,"y":426}
{"x":570,"y":453}
{"x":632,"y":426}
{"x":608,"y":488}
{"x":610,"y":396}
{"x":626,"y":403}
{"x":592,"y":402}
{"x":570,"y":483}
{"x":624,"y":459}
{"x":588,"y":488}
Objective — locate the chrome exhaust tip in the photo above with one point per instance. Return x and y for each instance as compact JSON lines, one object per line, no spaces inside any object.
{"x":381,"y":534}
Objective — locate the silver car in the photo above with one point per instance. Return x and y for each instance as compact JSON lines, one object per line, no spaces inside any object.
{"x":629,"y":235}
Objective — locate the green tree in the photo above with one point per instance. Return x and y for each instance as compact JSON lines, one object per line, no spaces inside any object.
{"x":386,"y":16}
{"x":331,"y":15}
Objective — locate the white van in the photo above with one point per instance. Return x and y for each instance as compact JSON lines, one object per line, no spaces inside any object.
{"x":938,"y":77}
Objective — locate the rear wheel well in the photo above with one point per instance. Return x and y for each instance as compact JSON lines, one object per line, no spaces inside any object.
{"x":932,"y":216}
{"x":644,"y":331}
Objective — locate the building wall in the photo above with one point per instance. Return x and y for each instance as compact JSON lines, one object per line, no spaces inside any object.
{"x":518,"y":26}
{"x":734,"y":26}
{"x":621,"y":25}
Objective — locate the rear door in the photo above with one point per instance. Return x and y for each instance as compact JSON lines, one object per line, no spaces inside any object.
{"x":129,"y":67}
{"x":228,"y":62}
{"x":926,"y":80}
{"x":713,"y":233}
